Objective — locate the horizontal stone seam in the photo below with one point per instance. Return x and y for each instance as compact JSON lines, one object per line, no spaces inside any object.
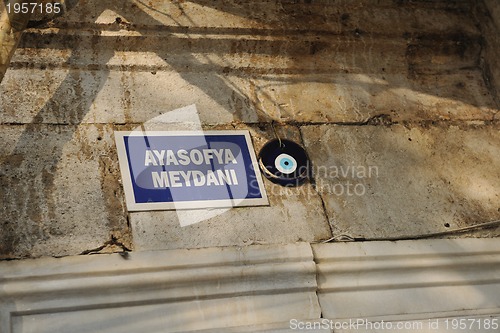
{"x":432,"y":315}
{"x":266,"y":272}
{"x":96,"y":29}
{"x":145,"y":270}
{"x":416,"y":285}
{"x":153,"y":301}
{"x":244,"y":71}
{"x":464,"y":123}
{"x":449,"y":257}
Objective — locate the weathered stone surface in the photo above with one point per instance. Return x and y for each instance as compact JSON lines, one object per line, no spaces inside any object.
{"x":59,"y":190}
{"x":360,"y":97}
{"x":395,"y":181}
{"x":74,"y":97}
{"x":341,"y":16}
{"x":129,"y":64}
{"x":319,"y":62}
{"x":70,"y":97}
{"x":293,"y":214}
{"x":489,"y":17}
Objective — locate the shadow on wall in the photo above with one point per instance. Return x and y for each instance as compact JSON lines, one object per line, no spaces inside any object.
{"x":427,"y":179}
{"x":343,"y":62}
{"x":33,"y":210}
{"x":303,"y":53}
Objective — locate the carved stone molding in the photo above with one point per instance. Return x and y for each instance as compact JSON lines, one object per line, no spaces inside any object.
{"x":278,"y":288}
{"x":224,"y":289}
{"x":409,"y":280}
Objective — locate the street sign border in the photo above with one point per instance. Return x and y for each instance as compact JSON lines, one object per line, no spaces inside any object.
{"x":133,"y":206}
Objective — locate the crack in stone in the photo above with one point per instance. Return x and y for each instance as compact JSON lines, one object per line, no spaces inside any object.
{"x":113,"y":242}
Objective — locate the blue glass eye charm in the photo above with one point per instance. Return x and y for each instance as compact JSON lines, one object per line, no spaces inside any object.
{"x":284,"y":162}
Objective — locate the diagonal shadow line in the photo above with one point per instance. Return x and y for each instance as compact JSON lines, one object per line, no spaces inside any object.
{"x":27,"y":179}
{"x":211,"y":84}
{"x":27,"y":173}
{"x":414,"y":63}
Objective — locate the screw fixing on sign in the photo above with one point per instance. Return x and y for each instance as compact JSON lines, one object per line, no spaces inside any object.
{"x":284,"y":162}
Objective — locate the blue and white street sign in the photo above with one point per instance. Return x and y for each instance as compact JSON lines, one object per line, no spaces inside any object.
{"x":187,"y":170}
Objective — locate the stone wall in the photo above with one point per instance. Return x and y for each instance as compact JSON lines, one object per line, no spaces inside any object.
{"x":407,"y":86}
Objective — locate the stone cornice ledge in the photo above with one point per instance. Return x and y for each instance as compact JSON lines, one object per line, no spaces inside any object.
{"x":409,"y":280}
{"x":254,"y":288}
{"x":226,"y":289}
